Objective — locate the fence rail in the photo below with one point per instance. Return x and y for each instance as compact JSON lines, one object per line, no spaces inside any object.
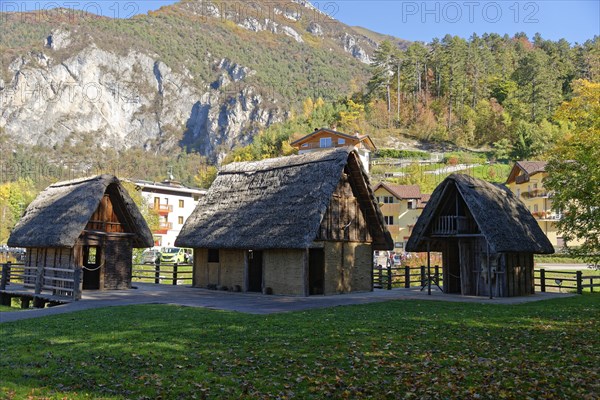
{"x":568,"y":280}
{"x":163,"y":273}
{"x":404,"y":276}
{"x":545,"y":280}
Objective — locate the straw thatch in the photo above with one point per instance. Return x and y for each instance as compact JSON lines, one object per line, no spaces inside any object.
{"x":502,"y":218}
{"x":57,"y":217}
{"x":278,"y":203}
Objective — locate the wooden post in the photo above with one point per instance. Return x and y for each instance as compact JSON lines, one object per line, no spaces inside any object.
{"x":157,"y":271}
{"x":175,"y":274}
{"x":542,"y":280}
{"x":422,"y":275}
{"x":77,"y":283}
{"x":579,"y":283}
{"x":437,"y":274}
{"x":25,"y":302}
{"x":591,"y":284}
{"x":489,"y":267}
{"x":389,"y":278}
{"x":406,"y":276}
{"x":39,"y":281}
{"x":428,"y":270}
{"x":5,"y":299}
{"x":5,"y":275}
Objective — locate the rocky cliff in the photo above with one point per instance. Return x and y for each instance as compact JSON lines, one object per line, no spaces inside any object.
{"x":222,"y":76}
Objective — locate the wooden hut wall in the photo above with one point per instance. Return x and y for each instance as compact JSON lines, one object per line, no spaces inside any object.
{"x":344,"y":219}
{"x":284,"y":271}
{"x":519,"y":273}
{"x":105,"y":218}
{"x":451,"y":263}
{"x":348,"y":267}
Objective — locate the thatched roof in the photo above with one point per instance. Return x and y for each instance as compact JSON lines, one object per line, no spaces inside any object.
{"x":506,"y":223}
{"x":57,"y":217}
{"x":278,"y":203}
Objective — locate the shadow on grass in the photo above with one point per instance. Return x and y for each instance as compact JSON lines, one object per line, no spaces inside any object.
{"x":393,"y":349}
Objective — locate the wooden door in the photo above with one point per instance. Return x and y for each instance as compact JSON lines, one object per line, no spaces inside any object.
{"x":316,"y":271}
{"x":255,"y":271}
{"x":91,"y":267}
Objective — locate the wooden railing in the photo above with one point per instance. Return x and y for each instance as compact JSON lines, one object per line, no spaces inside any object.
{"x":450,"y":225}
{"x":559,"y":281}
{"x":169,"y":273}
{"x":49,"y":284}
{"x":404,"y":276}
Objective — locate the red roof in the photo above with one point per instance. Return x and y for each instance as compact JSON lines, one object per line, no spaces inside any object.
{"x":401,"y":191}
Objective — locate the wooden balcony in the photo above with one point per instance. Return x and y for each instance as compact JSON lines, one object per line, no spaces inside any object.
{"x":451,"y":225}
{"x":162,"y":209}
{"x":163,"y":227}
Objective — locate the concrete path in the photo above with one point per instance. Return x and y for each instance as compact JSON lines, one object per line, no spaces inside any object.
{"x":252,"y":303}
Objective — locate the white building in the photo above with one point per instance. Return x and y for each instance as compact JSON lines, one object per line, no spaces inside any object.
{"x":173,"y":202}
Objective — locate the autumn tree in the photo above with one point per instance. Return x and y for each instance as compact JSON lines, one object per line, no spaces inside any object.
{"x":574,"y":173}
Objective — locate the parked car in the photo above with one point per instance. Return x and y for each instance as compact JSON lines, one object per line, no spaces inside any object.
{"x":149,"y":256}
{"x":175,"y":255}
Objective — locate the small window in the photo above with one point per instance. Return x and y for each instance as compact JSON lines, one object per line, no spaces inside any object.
{"x":180,"y":220}
{"x":388,"y":199}
{"x":213,"y":255}
{"x":412,"y":204}
{"x":341,"y":141}
{"x":389,"y":219}
{"x":91,"y":259}
{"x":325,"y":142}
{"x":180,"y":203}
{"x":304,"y":144}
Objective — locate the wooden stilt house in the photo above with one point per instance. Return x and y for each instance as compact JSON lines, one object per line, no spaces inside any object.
{"x":486,"y":235}
{"x":80,"y":235}
{"x":298,"y":225}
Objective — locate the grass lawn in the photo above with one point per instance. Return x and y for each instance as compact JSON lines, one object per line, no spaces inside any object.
{"x":400,"y":349}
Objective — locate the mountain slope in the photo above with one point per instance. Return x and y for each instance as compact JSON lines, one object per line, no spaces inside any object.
{"x":207,"y":75}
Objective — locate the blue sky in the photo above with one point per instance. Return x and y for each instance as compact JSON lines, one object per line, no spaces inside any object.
{"x":575,"y":21}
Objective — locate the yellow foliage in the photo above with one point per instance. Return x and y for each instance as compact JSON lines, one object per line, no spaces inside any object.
{"x":584,"y":109}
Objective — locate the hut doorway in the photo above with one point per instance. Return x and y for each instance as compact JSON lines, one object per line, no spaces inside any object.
{"x":91,"y":267}
{"x":255,"y":271}
{"x":451,"y":261}
{"x":316,"y":271}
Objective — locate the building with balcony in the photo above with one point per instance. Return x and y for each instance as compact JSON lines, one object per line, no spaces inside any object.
{"x":526,"y":181}
{"x":401,"y":206}
{"x":324,"y":139}
{"x":173,"y":202}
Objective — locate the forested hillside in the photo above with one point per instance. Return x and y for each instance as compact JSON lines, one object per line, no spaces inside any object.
{"x":248,"y":85}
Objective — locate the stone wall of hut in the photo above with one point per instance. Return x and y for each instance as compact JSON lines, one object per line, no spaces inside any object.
{"x":348,"y":267}
{"x":117,"y":266}
{"x":284,"y":271}
{"x":229,"y":271}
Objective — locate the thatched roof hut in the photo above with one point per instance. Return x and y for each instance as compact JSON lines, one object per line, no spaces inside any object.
{"x":90,"y":223}
{"x":278,"y":203}
{"x":59,"y":214}
{"x":469,"y":215}
{"x":288,"y":203}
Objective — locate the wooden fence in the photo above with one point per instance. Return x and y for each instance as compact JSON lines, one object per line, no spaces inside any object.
{"x":565,"y":280}
{"x":166,"y":273}
{"x":545,"y":280}
{"x":405,"y":276}
{"x":40,"y":284}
